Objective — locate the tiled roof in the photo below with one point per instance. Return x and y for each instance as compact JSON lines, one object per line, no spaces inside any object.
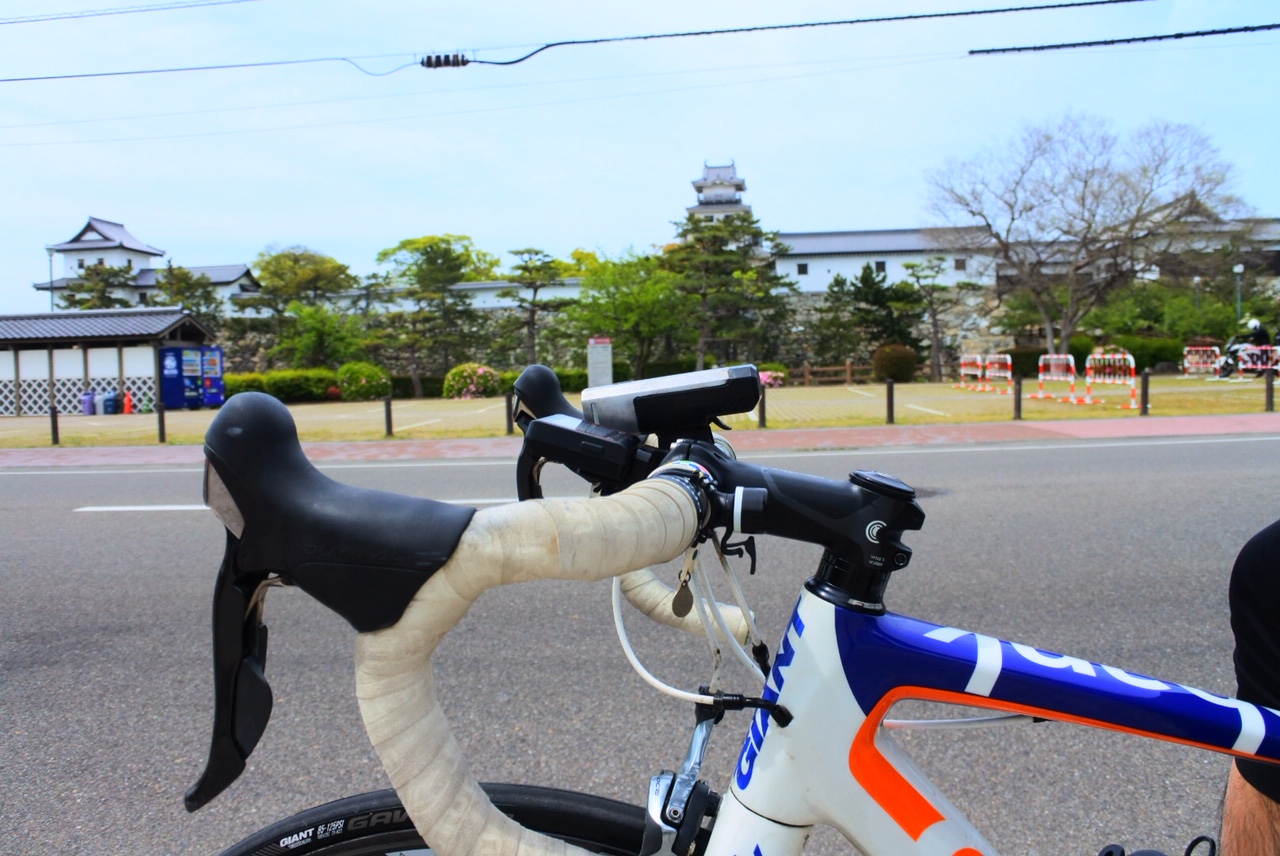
{"x":112,"y":235}
{"x":149,"y":323}
{"x":218,"y":274}
{"x":869,"y":242}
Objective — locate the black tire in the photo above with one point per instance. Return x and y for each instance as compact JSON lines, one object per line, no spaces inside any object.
{"x":375,"y":824}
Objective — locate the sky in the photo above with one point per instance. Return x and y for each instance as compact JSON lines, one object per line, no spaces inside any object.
{"x":591,"y":146}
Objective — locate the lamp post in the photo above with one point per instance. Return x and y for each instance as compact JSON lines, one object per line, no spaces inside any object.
{"x":1239,"y":271}
{"x":49,"y":250}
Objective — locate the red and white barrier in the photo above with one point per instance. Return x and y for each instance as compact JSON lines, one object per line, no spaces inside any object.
{"x":971,"y":366}
{"x":1059,"y":367}
{"x":1257,"y":358}
{"x":1115,"y":369}
{"x":1200,"y":359}
{"x":999,"y":367}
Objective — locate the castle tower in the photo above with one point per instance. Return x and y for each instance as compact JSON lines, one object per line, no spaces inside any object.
{"x":719,"y":193}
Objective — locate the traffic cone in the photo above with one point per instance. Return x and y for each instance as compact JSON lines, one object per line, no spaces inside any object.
{"x":128,"y":401}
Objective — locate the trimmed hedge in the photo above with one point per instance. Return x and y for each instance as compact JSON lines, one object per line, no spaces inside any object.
{"x":244,"y":382}
{"x":898,"y":362}
{"x":662,"y":368}
{"x":299,"y":385}
{"x":1148,"y":353}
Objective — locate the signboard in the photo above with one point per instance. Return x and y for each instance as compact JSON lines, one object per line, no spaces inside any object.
{"x":599,"y":361}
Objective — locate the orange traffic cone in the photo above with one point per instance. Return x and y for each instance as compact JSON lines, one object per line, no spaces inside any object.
{"x":128,"y":401}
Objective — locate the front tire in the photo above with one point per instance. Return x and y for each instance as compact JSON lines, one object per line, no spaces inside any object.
{"x":376,"y":824}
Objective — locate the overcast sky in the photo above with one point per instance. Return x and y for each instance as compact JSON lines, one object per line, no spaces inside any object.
{"x":582,"y":146}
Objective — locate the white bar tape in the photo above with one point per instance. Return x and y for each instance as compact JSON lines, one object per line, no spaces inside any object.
{"x":651,"y":596}
{"x":647,"y":524}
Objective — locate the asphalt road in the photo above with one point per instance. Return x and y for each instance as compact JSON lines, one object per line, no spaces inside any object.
{"x":1113,"y":551}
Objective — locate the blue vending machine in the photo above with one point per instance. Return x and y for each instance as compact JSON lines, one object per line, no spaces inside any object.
{"x":214,"y":391}
{"x":180,"y":378}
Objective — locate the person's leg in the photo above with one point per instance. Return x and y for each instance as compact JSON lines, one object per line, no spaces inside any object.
{"x":1250,"y":820}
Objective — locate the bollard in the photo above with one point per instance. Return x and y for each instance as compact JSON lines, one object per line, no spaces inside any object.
{"x":764,"y":423}
{"x":53,"y":423}
{"x":1271,"y":390}
{"x":1017,"y":397}
{"x":160,"y":418}
{"x":888,"y":397}
{"x":511,"y":403}
{"x":386,"y":412}
{"x":1146,"y":393}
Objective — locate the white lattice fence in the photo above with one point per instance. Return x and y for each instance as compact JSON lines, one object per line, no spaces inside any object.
{"x":8,"y":398}
{"x":35,"y":397}
{"x":66,"y":394}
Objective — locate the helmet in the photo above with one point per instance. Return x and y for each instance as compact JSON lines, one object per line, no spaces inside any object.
{"x":1252,"y":324}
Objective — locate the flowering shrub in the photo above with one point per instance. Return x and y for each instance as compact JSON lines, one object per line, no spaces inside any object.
{"x":472,"y":380}
{"x":772,"y":379}
{"x":363,"y":382}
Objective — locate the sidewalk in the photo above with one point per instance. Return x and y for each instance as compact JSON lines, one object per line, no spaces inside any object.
{"x":797,"y":439}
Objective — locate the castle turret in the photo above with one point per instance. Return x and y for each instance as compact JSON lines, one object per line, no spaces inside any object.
{"x":719,"y":193}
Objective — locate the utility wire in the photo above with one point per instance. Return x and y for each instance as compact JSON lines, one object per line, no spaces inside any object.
{"x":124,"y":10}
{"x":457,"y":60}
{"x":347,"y":60}
{"x":923,"y":16}
{"x":1130,"y":41}
{"x":277,"y":105}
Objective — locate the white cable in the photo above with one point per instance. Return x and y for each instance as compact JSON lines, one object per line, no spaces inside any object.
{"x":739,"y":597}
{"x":644,"y":673}
{"x":704,"y":581}
{"x":704,"y":615}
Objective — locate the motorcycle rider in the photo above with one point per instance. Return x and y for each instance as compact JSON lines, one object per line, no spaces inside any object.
{"x":1258,"y":334}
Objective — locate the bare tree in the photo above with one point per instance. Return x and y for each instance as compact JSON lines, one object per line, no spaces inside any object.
{"x":1070,"y":211}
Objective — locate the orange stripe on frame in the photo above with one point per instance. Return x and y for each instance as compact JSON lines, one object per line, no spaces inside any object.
{"x":906,"y":805}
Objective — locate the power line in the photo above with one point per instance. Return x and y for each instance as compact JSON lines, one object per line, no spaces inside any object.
{"x":923,"y":16}
{"x":525,"y":84}
{"x":1102,"y":43}
{"x":471,"y":111}
{"x":124,"y":10}
{"x":458,"y":60}
{"x":348,"y":60}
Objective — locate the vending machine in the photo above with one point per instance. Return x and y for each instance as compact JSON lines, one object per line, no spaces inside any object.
{"x":180,"y":385}
{"x":213,"y":389}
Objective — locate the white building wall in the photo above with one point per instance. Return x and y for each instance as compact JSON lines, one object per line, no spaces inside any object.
{"x":822,"y":269}
{"x":139,"y":361}
{"x":116,"y":257}
{"x":7,"y":365}
{"x":33,"y":365}
{"x":103,"y":362}
{"x":68,"y":363}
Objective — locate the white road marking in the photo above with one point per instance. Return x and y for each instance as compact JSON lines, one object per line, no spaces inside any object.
{"x":861,"y":392}
{"x":419,"y":424}
{"x":484,"y":500}
{"x":926,"y":410}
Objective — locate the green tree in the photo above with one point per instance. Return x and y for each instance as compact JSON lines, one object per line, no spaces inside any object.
{"x":886,"y":314}
{"x":95,"y":288}
{"x":439,"y":327}
{"x":177,"y":286}
{"x":534,"y":272}
{"x":319,"y":338}
{"x":940,"y":303}
{"x":836,"y":336}
{"x":727,"y":267}
{"x":635,"y":303}
{"x":372,"y":292}
{"x":297,"y":274}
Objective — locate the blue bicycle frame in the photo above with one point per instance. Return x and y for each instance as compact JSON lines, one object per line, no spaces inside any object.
{"x":839,"y":671}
